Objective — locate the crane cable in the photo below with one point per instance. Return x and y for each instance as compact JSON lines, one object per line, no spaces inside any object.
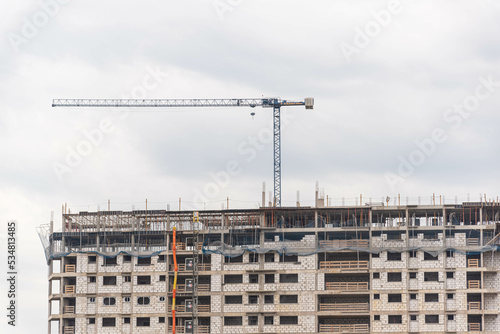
{"x":176,"y":269}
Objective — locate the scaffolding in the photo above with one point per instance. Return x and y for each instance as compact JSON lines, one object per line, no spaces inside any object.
{"x":293,"y":231}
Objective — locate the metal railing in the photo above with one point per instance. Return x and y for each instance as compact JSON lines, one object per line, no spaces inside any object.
{"x":344,"y":307}
{"x":344,"y":328}
{"x":347,"y":286}
{"x":343,"y":265}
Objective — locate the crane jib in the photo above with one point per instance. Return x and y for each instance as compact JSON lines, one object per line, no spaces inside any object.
{"x":270,"y":102}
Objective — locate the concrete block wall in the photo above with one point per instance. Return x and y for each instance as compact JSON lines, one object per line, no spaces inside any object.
{"x":306,"y":324}
{"x":491,"y":323}
{"x":451,"y":304}
{"x":81,"y":305}
{"x":383,"y":284}
{"x":216,"y":283}
{"x":492,"y":281}
{"x":321,"y":282}
{"x":491,"y":302}
{"x":413,"y":325}
{"x":216,"y":262}
{"x":216,"y":324}
{"x":429,"y":264}
{"x":383,"y":303}
{"x":419,"y":241}
{"x":384,"y":263}
{"x":461,"y":322}
{"x":460,"y":280}
{"x":492,"y":261}
{"x":431,"y":306}
{"x":82,"y":327}
{"x":382,"y":242}
{"x":307,"y":302}
{"x":384,"y":326}
{"x":451,"y":325}
{"x":438,"y":328}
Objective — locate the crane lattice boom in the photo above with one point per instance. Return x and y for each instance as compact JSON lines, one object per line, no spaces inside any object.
{"x":274,"y":102}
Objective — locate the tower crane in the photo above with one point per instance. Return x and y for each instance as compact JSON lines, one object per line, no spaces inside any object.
{"x":274,"y":103}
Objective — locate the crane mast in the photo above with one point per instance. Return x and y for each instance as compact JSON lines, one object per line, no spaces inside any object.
{"x":275,"y":103}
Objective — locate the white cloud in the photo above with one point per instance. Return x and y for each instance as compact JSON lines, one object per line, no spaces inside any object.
{"x":367,"y":114}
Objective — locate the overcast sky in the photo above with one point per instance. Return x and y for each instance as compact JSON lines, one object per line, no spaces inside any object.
{"x":406,"y":101}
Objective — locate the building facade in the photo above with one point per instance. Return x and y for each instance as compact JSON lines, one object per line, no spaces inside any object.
{"x":360,"y":269}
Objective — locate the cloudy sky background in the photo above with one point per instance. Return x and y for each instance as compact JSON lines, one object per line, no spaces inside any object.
{"x":371,"y":107}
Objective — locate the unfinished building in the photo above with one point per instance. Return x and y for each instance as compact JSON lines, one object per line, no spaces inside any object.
{"x":357,"y":269}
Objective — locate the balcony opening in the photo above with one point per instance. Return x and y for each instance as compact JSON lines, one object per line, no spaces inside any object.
{"x":474,"y":261}
{"x":474,"y":322}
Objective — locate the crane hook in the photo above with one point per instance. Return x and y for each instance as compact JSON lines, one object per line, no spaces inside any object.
{"x":252,"y":114}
